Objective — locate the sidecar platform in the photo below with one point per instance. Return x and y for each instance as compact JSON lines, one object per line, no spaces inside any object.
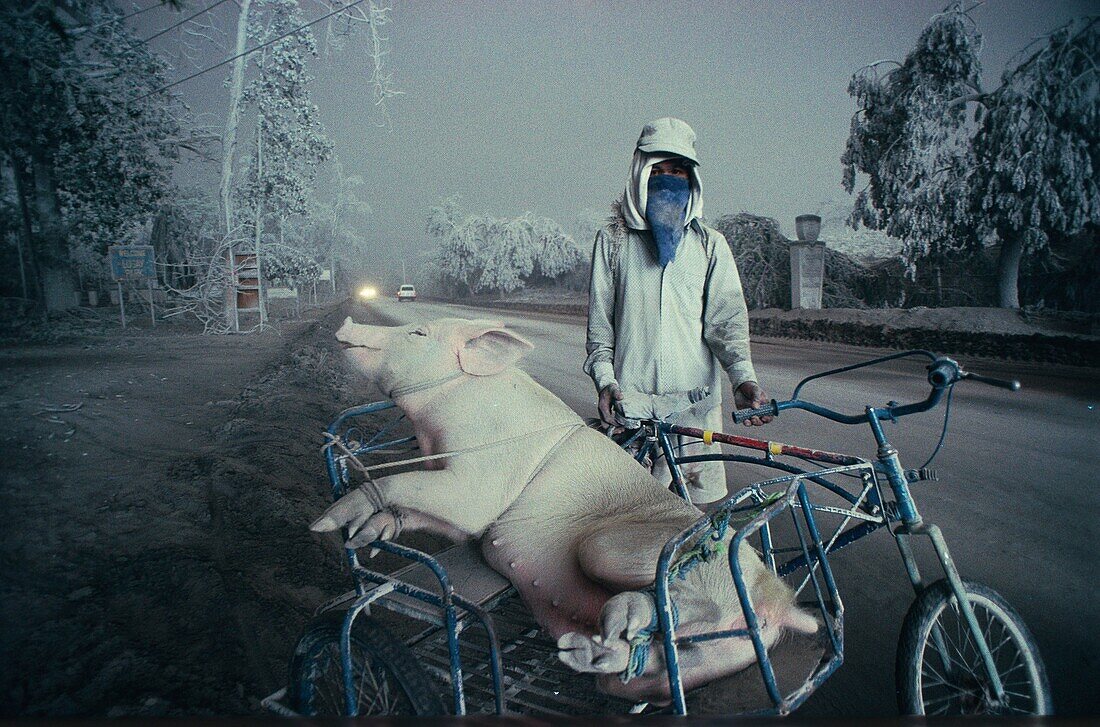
{"x":468,"y":574}
{"x":535,"y":682}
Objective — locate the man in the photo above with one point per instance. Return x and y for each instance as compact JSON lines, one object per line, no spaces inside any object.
{"x":666,"y":313}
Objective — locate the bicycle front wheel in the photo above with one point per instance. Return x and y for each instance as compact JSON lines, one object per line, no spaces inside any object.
{"x":386,"y":676}
{"x":940,"y":671}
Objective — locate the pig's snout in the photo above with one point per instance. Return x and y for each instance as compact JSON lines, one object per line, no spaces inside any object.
{"x":354,"y":335}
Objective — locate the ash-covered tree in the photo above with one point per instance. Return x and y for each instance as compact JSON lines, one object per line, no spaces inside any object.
{"x":1039,"y":151}
{"x":185,"y":233}
{"x":1022,"y":169}
{"x":456,"y":257}
{"x":479,"y":253}
{"x":292,"y":266}
{"x":88,"y":142}
{"x":344,"y":22}
{"x":337,"y":222}
{"x":556,"y":251}
{"x":508,"y":250}
{"x":288,"y":143}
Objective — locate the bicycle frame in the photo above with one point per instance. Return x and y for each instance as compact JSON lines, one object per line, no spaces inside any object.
{"x":812,"y":548}
{"x":901,"y":510}
{"x":943,"y":374}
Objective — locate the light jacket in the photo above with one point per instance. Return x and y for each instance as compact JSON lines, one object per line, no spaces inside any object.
{"x":664,"y":331}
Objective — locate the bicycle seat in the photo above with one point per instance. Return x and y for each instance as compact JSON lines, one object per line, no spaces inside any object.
{"x":671,"y":407}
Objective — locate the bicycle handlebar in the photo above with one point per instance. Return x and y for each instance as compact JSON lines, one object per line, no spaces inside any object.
{"x":943,"y":373}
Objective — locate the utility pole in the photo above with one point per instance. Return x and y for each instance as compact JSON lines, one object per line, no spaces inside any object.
{"x":403,"y":281}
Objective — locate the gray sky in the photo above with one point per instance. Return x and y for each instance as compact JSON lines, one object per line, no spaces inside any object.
{"x":536,"y":105}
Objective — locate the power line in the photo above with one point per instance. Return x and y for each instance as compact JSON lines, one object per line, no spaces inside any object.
{"x":185,"y":20}
{"x":253,"y":49}
{"x":125,"y":17}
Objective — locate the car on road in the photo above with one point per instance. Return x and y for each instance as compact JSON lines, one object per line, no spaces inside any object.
{"x":406,"y":292}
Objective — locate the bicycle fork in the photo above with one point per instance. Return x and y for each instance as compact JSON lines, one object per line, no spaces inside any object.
{"x":912,"y":524}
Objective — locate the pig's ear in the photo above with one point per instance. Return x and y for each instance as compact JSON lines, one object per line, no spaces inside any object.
{"x":486,"y":350}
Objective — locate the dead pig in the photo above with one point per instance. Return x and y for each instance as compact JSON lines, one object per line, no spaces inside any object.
{"x":562,"y":512}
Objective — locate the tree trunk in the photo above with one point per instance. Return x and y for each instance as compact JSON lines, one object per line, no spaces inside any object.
{"x":1008,"y":272}
{"x":229,"y":138}
{"x":229,"y":141}
{"x":56,"y":283}
{"x":26,"y":230}
{"x":332,"y":270}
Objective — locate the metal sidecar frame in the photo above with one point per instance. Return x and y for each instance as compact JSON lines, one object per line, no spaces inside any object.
{"x":479,"y":643}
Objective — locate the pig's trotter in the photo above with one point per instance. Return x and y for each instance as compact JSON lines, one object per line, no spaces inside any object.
{"x":382,"y":525}
{"x":593,"y":655}
{"x":625,"y":614}
{"x":350,"y":511}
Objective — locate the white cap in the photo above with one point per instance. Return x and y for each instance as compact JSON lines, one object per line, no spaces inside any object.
{"x":670,"y":136}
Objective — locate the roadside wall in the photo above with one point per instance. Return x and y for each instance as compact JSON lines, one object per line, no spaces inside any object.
{"x":1061,"y":349}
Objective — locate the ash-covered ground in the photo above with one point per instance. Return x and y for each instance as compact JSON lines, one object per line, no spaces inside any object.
{"x":157,"y":487}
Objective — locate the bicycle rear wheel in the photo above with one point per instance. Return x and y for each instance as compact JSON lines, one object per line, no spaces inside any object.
{"x":388,"y":680}
{"x":940,"y":671}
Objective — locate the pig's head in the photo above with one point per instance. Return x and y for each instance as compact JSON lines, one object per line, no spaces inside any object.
{"x":406,"y":357}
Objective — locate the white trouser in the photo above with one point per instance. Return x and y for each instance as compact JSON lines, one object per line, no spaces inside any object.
{"x":705,"y":481}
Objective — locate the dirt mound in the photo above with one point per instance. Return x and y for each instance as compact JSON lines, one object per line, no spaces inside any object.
{"x":1001,"y":321}
{"x":992,"y":332}
{"x":263,"y":487}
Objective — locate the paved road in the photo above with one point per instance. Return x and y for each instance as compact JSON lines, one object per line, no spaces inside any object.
{"x":1017,"y":501}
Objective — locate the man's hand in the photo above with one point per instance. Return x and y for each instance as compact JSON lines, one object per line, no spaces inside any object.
{"x":610,"y":395}
{"x":749,"y":395}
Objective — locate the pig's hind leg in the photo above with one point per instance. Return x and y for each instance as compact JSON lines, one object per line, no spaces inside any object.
{"x":623,"y":560}
{"x":608,"y":652}
{"x":590,"y":654}
{"x":623,"y":556}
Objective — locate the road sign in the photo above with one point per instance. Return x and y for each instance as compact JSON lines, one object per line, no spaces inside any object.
{"x":132,"y":262}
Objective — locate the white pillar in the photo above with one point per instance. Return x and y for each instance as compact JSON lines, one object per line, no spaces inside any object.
{"x":807,"y":274}
{"x":807,"y":264}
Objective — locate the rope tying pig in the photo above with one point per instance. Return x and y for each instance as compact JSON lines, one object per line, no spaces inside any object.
{"x":706,"y":547}
{"x":334,"y":441}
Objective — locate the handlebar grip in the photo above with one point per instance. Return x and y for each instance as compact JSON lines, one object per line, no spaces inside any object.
{"x":1011,"y":385}
{"x":768,"y":410}
{"x":943,"y":372}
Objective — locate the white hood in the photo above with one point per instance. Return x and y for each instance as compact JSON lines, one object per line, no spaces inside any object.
{"x":637,"y":189}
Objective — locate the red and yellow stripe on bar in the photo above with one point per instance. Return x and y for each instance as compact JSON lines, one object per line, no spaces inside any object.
{"x":774,"y":448}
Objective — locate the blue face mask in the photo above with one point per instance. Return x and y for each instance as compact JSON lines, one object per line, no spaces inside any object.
{"x":665,"y":206}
